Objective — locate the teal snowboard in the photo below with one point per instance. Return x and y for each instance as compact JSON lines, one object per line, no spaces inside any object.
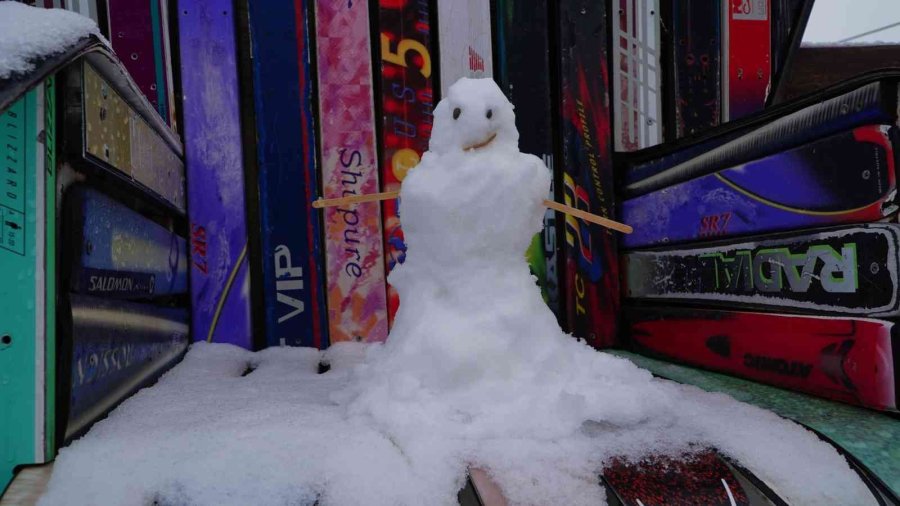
{"x":27,"y":292}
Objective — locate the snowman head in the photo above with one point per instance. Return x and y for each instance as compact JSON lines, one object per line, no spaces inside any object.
{"x":475,"y":116}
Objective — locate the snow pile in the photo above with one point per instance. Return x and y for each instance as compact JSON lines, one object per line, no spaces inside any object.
{"x":31,"y":33}
{"x":476,"y":372}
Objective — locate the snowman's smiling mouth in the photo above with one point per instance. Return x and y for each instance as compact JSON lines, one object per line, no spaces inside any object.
{"x":481,"y":144}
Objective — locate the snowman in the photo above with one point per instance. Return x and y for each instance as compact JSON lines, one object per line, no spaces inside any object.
{"x":471,"y":315}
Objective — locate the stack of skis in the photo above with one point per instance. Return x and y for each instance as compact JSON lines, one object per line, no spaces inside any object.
{"x":94,"y":242}
{"x":768,"y":247}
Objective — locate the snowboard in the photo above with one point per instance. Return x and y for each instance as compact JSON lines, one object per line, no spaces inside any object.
{"x":867,"y":439}
{"x":407,"y":71}
{"x":139,"y":37}
{"x":28,"y":292}
{"x":779,"y":129}
{"x":354,"y":255}
{"x":465,"y":44}
{"x":117,"y":253}
{"x":637,"y":76}
{"x":696,"y":57}
{"x":117,"y":347}
{"x":524,"y":74}
{"x":115,"y":135}
{"x":747,"y":55}
{"x":850,"y":270}
{"x":288,"y":175}
{"x":592,"y":272}
{"x":845,"y":178}
{"x":843,"y":359}
{"x":218,"y":233}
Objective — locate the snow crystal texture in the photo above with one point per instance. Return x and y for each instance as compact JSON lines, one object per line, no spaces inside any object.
{"x":476,"y":373}
{"x":28,"y":34}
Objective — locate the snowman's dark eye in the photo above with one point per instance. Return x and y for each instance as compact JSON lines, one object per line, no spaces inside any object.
{"x":489,"y":113}
{"x":456,"y":113}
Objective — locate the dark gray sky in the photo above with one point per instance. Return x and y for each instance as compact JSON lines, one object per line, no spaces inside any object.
{"x":834,"y":20}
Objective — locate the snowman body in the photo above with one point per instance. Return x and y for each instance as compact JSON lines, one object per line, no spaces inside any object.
{"x":469,"y":211}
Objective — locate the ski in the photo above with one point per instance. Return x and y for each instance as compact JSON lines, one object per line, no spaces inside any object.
{"x":288,"y":179}
{"x":136,"y":40}
{"x":865,"y":101}
{"x":845,"y":178}
{"x":696,"y":56}
{"x":844,"y":359}
{"x":524,"y":73}
{"x":747,"y":55}
{"x":406,"y":104}
{"x":116,"y":252}
{"x":28,"y":292}
{"x":94,"y":9}
{"x":850,"y":270}
{"x":636,"y":79}
{"x":464,"y":40}
{"x":117,"y":347}
{"x":592,"y":272}
{"x":140,"y":151}
{"x":218,"y":232}
{"x":357,"y":298}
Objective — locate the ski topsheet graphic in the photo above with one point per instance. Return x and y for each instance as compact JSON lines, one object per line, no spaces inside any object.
{"x":357,"y":305}
{"x":845,"y":359}
{"x":407,"y":101}
{"x":592,"y":272}
{"x":787,"y":127}
{"x":219,"y":276}
{"x":523,"y":71}
{"x":747,"y":53}
{"x":700,"y":476}
{"x":116,"y":252}
{"x":117,"y":348}
{"x":637,"y":101}
{"x":696,"y":48}
{"x":117,"y":135}
{"x":288,"y":177}
{"x":845,"y":178}
{"x":28,"y":265}
{"x":850,"y":270}
{"x":464,"y":40}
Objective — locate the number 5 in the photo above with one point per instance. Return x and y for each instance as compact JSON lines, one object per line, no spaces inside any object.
{"x":405,"y":46}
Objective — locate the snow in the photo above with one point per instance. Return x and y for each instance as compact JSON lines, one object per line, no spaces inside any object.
{"x":28,"y":34}
{"x":476,"y":372}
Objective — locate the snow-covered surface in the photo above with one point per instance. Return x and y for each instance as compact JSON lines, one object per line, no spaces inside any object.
{"x":28,"y":34}
{"x":476,"y":372}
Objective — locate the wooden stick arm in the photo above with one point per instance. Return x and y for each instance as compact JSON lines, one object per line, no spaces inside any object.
{"x":589,"y":217}
{"x":556,"y":206}
{"x":355,"y":199}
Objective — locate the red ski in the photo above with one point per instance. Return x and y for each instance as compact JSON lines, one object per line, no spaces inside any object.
{"x":845,"y":359}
